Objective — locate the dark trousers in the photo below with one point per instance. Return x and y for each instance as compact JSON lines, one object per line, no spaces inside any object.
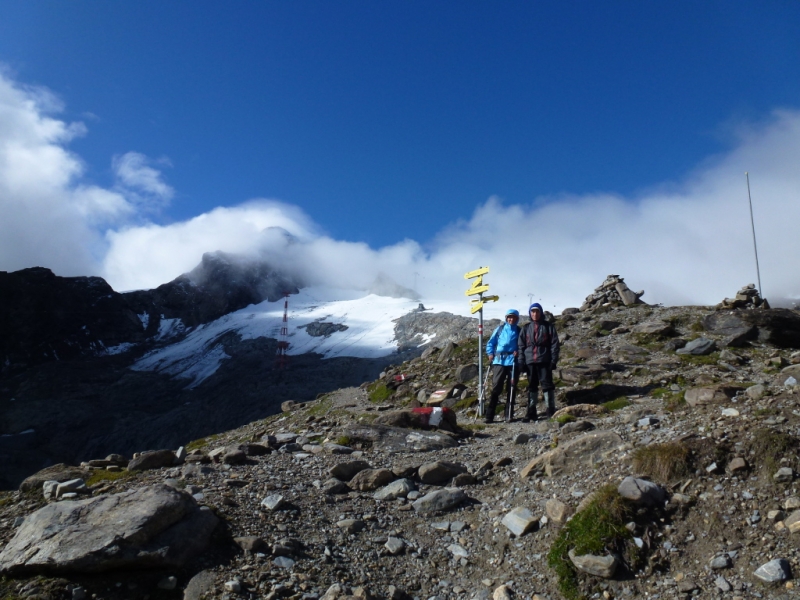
{"x":539,"y":373}
{"x":501,"y":373}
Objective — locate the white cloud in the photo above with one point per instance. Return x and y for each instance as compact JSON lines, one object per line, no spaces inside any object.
{"x":684,"y":242}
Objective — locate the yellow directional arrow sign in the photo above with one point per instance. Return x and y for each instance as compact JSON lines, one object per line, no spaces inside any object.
{"x":477,"y":289}
{"x":491,"y":298}
{"x":476,"y":273}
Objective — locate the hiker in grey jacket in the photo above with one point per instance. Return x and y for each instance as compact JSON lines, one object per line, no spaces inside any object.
{"x":538,"y":355}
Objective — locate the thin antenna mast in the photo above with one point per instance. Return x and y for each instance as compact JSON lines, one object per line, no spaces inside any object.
{"x":283,"y":340}
{"x":753,"y":225}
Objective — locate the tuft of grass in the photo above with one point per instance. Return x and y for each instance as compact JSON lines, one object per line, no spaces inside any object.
{"x":378,"y":392}
{"x":697,"y":326}
{"x":465,"y":403}
{"x":770,"y":446}
{"x":660,"y":392}
{"x":320,"y":407}
{"x":595,"y":530}
{"x":663,"y":462}
{"x":344,"y":440}
{"x":708,"y":359}
{"x":474,"y":426}
{"x":617,"y":403}
{"x":6,"y":499}
{"x":566,"y":418}
{"x":102,"y":476}
{"x":675,"y":401}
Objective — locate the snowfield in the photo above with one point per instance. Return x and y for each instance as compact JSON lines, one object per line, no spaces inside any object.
{"x":368,"y":319}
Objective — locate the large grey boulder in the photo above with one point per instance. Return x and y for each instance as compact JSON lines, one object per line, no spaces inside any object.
{"x":777,"y":326}
{"x":698,"y":347}
{"x":59,"y":473}
{"x":152,"y":459}
{"x":439,"y":501}
{"x":642,"y":491}
{"x":466,"y":373}
{"x":587,"y":450}
{"x":774,"y":571}
{"x":150,"y":527}
{"x":440,"y":471}
{"x":397,"y":439}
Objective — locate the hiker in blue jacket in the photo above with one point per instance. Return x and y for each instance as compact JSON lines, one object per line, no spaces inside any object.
{"x":538,"y":355}
{"x":502,"y":351}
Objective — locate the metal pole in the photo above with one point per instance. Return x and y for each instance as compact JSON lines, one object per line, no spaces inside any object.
{"x":753,"y":225}
{"x":480,"y":357}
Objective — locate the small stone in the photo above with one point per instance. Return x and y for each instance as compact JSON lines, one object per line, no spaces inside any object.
{"x":737,"y":464}
{"x":792,"y":522}
{"x":284,"y":562}
{"x":233,"y":586}
{"x":337,"y":449}
{"x":520,"y":521}
{"x":600,"y":566}
{"x":720,"y":562}
{"x":791,"y":503}
{"x":775,"y":515}
{"x":395,"y":546}
{"x":641,"y":491}
{"x":458,"y":551}
{"x":723,"y":584}
{"x":502,"y":593}
{"x":396,"y":489}
{"x":784,"y":475}
{"x":730,"y":412}
{"x":346,"y":471}
{"x":273,"y":502}
{"x":522,"y":439}
{"x":774,"y":571}
{"x":557,"y":510}
{"x":78,"y":593}
{"x":440,"y":500}
{"x":351,"y":525}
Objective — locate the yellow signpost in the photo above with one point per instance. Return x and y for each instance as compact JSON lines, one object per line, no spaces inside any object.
{"x":478,"y":288}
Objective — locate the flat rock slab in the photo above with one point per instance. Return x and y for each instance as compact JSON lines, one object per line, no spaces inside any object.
{"x":709,"y":394}
{"x":153,"y":459}
{"x":397,"y":439}
{"x":440,"y":500}
{"x":774,"y":571}
{"x":586,"y":450}
{"x":698,"y":347}
{"x":59,"y":472}
{"x":151,"y":527}
{"x":601,"y":566}
{"x":520,"y":521}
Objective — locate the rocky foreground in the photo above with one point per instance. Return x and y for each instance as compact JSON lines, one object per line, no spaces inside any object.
{"x":669,"y":472}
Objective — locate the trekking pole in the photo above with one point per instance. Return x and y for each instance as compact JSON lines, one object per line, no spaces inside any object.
{"x":510,"y":407}
{"x":482,"y":396}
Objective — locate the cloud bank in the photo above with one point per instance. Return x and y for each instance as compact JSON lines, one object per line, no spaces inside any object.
{"x":685,"y":242}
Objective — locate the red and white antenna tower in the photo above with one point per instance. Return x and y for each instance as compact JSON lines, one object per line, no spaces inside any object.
{"x":283,"y":339}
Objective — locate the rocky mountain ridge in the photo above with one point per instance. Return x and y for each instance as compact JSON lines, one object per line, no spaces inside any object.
{"x":670,"y":471}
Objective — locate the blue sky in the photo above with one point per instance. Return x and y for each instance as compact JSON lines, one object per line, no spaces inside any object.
{"x":389,"y":121}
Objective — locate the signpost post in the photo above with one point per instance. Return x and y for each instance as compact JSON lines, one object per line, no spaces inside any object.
{"x":478,"y":288}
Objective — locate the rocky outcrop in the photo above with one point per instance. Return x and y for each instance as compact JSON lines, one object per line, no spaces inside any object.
{"x":612,"y":292}
{"x":152,"y":527}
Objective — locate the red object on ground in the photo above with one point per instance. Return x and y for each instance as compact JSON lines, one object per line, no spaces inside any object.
{"x":434,"y":415}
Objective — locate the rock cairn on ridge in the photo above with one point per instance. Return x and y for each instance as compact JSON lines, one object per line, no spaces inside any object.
{"x":611,"y":293}
{"x":747,"y":297}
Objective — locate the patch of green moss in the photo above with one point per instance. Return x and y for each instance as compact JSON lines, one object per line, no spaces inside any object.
{"x":597,"y":529}
{"x":465,"y":403}
{"x":343,"y":440}
{"x":663,"y":462}
{"x":320,"y":407}
{"x":566,"y":418}
{"x":102,"y":476}
{"x":378,"y":392}
{"x":5,"y":499}
{"x":708,"y":359}
{"x":367,"y":417}
{"x":617,"y":403}
{"x":697,"y":326}
{"x":474,"y":426}
{"x":201,"y":443}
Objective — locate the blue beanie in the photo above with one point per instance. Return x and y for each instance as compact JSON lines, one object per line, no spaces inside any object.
{"x":512,"y":312}
{"x":535,"y":305}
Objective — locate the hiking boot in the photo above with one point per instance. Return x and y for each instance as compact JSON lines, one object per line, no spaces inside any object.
{"x":530,"y":412}
{"x":490,"y":411}
{"x":550,"y":399}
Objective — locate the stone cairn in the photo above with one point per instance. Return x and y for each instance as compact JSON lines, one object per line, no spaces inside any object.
{"x":747,"y":297}
{"x":612,"y":292}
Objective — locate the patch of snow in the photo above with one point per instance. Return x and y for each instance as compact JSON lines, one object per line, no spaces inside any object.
{"x":426,"y":338}
{"x":369,"y":334}
{"x":168,"y":328}
{"x":145,"y":319}
{"x":120,"y":348}
{"x":27,"y":431}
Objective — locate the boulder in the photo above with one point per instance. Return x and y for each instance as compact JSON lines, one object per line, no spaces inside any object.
{"x":396,"y":439}
{"x":370,"y":480}
{"x":152,"y":459}
{"x":439,"y":501}
{"x":642,"y":491}
{"x":420,"y":418}
{"x":346,"y":471}
{"x":466,"y":373}
{"x":146,"y":528}
{"x":582,"y":372}
{"x":585,"y":451}
{"x":698,"y":347}
{"x":581,"y":410}
{"x":777,"y":326}
{"x":448,"y":351}
{"x":655,"y":328}
{"x":396,"y":489}
{"x":440,"y":472}
{"x":709,"y":394}
{"x":58,"y":473}
{"x":774,"y":571}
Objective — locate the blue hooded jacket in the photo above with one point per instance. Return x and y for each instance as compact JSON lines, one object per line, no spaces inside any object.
{"x":503,"y":344}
